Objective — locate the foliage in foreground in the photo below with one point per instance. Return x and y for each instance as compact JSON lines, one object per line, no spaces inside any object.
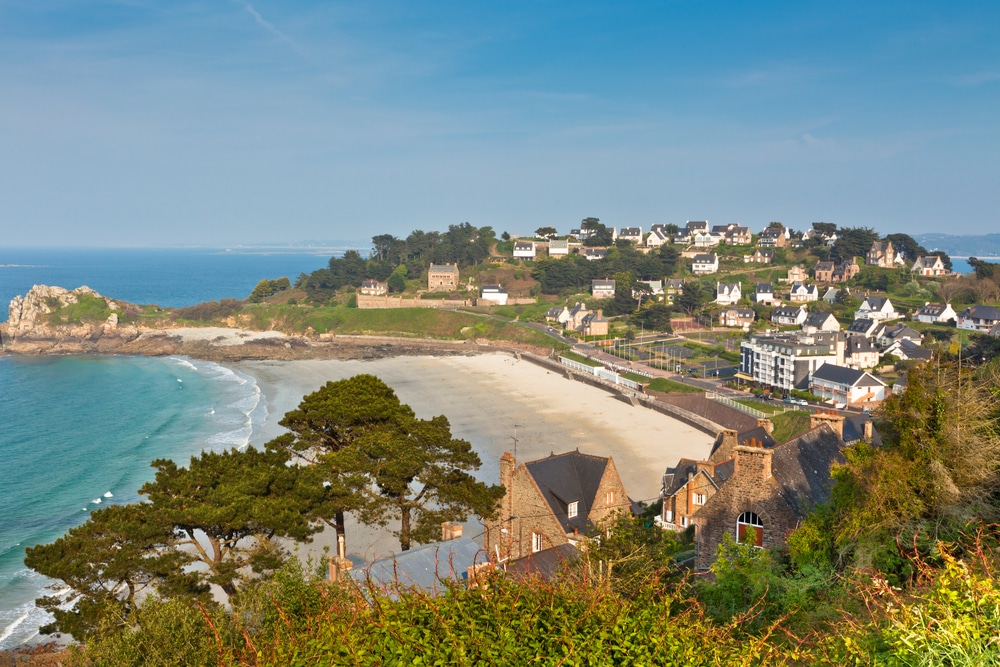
{"x":951,"y":618}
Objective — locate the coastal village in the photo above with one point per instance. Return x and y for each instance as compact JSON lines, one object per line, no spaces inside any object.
{"x":763,"y":358}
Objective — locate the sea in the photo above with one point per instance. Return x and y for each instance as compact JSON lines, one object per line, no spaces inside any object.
{"x":79,"y":432}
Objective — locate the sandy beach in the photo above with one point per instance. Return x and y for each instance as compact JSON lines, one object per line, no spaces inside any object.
{"x":487,"y":398}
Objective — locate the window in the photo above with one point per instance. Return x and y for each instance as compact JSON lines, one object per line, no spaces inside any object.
{"x":571,"y":509}
{"x":609,"y":498}
{"x":684,"y":521}
{"x":536,"y":542}
{"x":750,"y":529}
{"x":699,"y":499}
{"x":668,"y":516}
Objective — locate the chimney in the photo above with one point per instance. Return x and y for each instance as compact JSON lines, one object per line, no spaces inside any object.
{"x":600,"y":313}
{"x":766,"y":424}
{"x":507,"y":464}
{"x":339,"y":565}
{"x":835,"y":421}
{"x":477,"y":576}
{"x":753,"y":461}
{"x":450,"y":530}
{"x":727,"y":444}
{"x":868,"y":428}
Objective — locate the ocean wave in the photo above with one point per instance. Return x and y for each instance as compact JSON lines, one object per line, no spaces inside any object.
{"x":22,"y":623}
{"x":184,"y":363}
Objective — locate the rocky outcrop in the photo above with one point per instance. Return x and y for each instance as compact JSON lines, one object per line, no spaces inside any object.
{"x":30,"y":331}
{"x":29,"y":322}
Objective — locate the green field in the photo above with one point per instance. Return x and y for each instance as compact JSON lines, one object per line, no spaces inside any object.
{"x":669,"y":386}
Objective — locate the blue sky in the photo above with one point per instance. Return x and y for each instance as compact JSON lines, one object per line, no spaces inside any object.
{"x":134,"y":122}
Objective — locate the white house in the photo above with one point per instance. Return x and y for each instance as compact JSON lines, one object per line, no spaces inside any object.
{"x":494,"y":294}
{"x":558,"y":248}
{"x":931,"y":265}
{"x":802,"y":293}
{"x":877,"y":308}
{"x":705,"y":239}
{"x":524,"y":250}
{"x":633,"y":234}
{"x":846,"y":385}
{"x":602,"y":289}
{"x":559,"y":314}
{"x":860,"y":353}
{"x":786,"y":315}
{"x":728,"y":294}
{"x":935,"y":313}
{"x":820,"y":321}
{"x":594,"y":254}
{"x":657,"y":237}
{"x":979,"y":318}
{"x":704,"y":264}
{"x":763,"y":293}
{"x":899,"y":332}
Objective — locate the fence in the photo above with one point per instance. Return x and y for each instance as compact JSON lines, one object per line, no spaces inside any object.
{"x":601,"y":372}
{"x":736,"y":405}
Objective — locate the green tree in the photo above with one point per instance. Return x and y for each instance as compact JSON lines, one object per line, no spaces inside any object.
{"x":422,"y":476}
{"x":237,"y":502}
{"x":397,"y":280}
{"x":330,"y":420}
{"x":546,"y":232}
{"x":654,"y":317}
{"x":120,"y":552}
{"x":853,"y":242}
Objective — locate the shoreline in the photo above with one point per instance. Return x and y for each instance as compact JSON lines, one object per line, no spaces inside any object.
{"x":487,"y":398}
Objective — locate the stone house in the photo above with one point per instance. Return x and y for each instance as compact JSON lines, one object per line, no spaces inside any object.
{"x":773,"y":237}
{"x":442,"y":277}
{"x":760,"y":256}
{"x":797,"y":274}
{"x":881,"y":254}
{"x":846,"y":270}
{"x":737,"y":317}
{"x":594,"y":324}
{"x":738,"y":235}
{"x":770,"y":490}
{"x":561,"y":499}
{"x":823,"y":272}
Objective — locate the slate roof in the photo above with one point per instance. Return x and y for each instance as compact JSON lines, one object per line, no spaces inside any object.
{"x":630,"y":231}
{"x":740,"y":312}
{"x":544,"y":564}
{"x":982,"y":313}
{"x":425,"y":568}
{"x":859,"y":345}
{"x":932,"y":310}
{"x":569,"y":477}
{"x":704,"y":258}
{"x":442,"y":268}
{"x":524,"y":245}
{"x":817,"y":319}
{"x":846,"y":376}
{"x":861,"y":326}
{"x":901,"y":331}
{"x":555,"y":311}
{"x":786,"y":311}
{"x":692,"y":225}
{"x":914,"y":351}
{"x":675,"y":283}
{"x":874,"y":303}
{"x":801,"y":468}
{"x":764,"y":288}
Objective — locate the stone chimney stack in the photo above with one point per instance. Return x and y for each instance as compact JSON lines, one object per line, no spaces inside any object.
{"x":753,"y":461}
{"x":868,"y":428}
{"x":765,"y":423}
{"x":835,"y":421}
{"x":507,"y":464}
{"x":450,"y":530}
{"x":727,"y":443}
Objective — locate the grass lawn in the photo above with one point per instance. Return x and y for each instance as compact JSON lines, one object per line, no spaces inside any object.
{"x":763,"y":407}
{"x":669,"y":386}
{"x":587,"y":361}
{"x":790,"y":424}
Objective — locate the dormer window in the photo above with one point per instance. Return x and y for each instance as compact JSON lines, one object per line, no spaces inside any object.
{"x":572,"y":508}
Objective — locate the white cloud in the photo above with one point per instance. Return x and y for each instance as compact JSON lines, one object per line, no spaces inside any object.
{"x":270,"y":27}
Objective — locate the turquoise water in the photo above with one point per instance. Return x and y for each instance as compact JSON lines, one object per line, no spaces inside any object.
{"x":73,"y":429}
{"x":79,"y":433}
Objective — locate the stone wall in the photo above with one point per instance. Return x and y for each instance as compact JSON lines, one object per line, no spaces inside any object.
{"x":367,"y":301}
{"x":523,"y":510}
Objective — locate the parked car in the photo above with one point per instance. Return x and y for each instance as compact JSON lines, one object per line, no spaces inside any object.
{"x":800,"y":402}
